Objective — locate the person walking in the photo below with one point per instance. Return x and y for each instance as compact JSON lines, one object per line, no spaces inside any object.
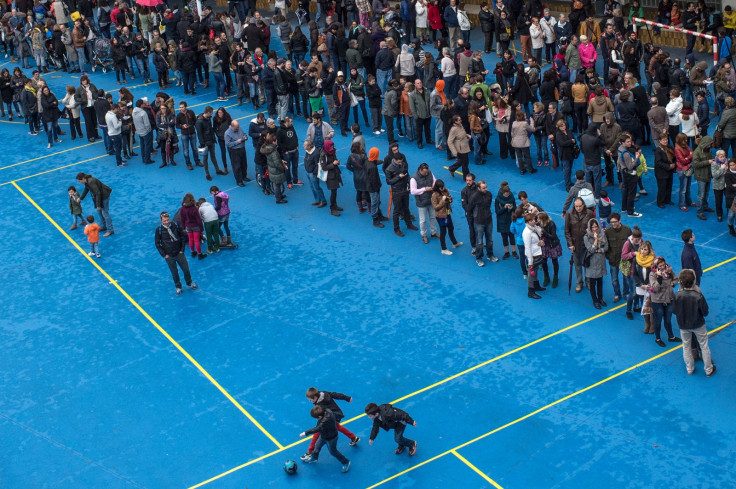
{"x":441,"y":201}
{"x":170,"y":243}
{"x":457,"y":143}
{"x":691,"y":308}
{"x":101,"y":199}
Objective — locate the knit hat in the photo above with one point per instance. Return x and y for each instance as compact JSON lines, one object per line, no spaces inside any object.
{"x":373,"y":154}
{"x":329,"y":147}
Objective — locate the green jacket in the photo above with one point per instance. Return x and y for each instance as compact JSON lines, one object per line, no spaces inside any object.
{"x":701,"y":160}
{"x":727,"y":124}
{"x":74,"y":206}
{"x":419,"y":104}
{"x":616,"y":239}
{"x":100,"y":192}
{"x":275,"y":167}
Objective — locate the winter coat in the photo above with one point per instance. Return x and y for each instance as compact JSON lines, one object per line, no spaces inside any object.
{"x":356,"y":164}
{"x":504,"y":215}
{"x":701,"y":160}
{"x":276,"y":171}
{"x":576,"y":224}
{"x":441,"y":202}
{"x":419,"y":104}
{"x":599,"y":107}
{"x":205,"y":131}
{"x":520,"y":132}
{"x":565,"y":144}
{"x":457,"y":140}
{"x":334,"y":175}
{"x":389,"y":418}
{"x":597,"y":267}
{"x":480,"y":207}
{"x":661,"y":288}
{"x":100,"y":192}
{"x":372,"y":178}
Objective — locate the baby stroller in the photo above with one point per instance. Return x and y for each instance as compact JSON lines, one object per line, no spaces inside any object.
{"x":101,"y":54}
{"x":56,"y":61}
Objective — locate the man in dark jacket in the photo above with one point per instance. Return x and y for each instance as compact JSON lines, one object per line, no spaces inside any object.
{"x":373,"y":187}
{"x":253,"y":35}
{"x":689,"y":257}
{"x":385,"y":59}
{"x":576,"y":225}
{"x":186,"y":120}
{"x":481,"y":207}
{"x":390,"y":418}
{"x":102,"y":106}
{"x":288,"y":147}
{"x":188,"y":65}
{"x":487,"y":25}
{"x":616,"y":234}
{"x":171,"y":241}
{"x":311,"y":166}
{"x":268,"y":79}
{"x":691,"y":308}
{"x":466,"y":195}
{"x":101,"y":199}
{"x":397,"y":176}
{"x":206,"y":136}
{"x":592,"y":146}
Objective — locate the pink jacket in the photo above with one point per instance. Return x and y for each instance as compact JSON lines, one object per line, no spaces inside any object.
{"x":586,"y":54}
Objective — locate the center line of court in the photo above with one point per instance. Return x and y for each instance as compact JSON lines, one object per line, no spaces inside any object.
{"x":542,"y":409}
{"x":143,"y":312}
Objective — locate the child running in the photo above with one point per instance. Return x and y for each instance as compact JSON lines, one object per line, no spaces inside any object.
{"x":327,"y":401}
{"x":92,"y":230}
{"x":326,"y":429}
{"x":390,"y":418}
{"x":75,"y":205}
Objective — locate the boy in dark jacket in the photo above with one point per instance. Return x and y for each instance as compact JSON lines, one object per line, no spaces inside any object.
{"x":327,"y":401}
{"x":327,"y":430}
{"x":691,"y":308}
{"x":171,"y":241}
{"x":390,"y":418}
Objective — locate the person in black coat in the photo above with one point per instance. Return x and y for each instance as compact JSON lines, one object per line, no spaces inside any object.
{"x":521,"y":91}
{"x":390,"y":418}
{"x":187,"y":60}
{"x":327,"y":429}
{"x":664,"y":170}
{"x":643,"y":105}
{"x":592,"y":145}
{"x":565,"y":142}
{"x":397,"y":176}
{"x":50,"y":115}
{"x":171,"y":242}
{"x":628,"y":116}
{"x":373,"y":187}
{"x":487,"y":25}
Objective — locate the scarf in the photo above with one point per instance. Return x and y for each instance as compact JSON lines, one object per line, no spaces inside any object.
{"x":168,"y":228}
{"x":644,"y":261}
{"x":535,"y":229}
{"x":602,"y":239}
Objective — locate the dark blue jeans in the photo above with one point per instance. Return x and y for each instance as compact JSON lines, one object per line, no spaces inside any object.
{"x":117,"y":145}
{"x":292,"y":159}
{"x":481,"y":231}
{"x":146,"y":147}
{"x":331,"y":447}
{"x":662,"y":311}
{"x":319,"y":195}
{"x":401,"y":439}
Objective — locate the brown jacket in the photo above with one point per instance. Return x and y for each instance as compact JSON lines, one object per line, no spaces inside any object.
{"x":441,"y":201}
{"x":475,"y":126}
{"x":457,"y":140}
{"x":78,"y":38}
{"x":598,"y":107}
{"x":576,"y":225}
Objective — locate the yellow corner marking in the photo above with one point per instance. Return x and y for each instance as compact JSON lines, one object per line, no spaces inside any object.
{"x":476,"y":470}
{"x":148,"y":317}
{"x":544,"y":408}
{"x":49,"y":155}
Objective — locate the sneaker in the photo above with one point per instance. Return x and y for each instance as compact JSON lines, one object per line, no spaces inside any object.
{"x":299,"y":183}
{"x":458,"y":244}
{"x":634,"y":214}
{"x":193,"y":286}
{"x":354,"y":441}
{"x":493,"y":258}
{"x":399,"y":450}
{"x":472,"y":251}
{"x":310,"y":459}
{"x":506,"y":256}
{"x":616,"y":299}
{"x":98,"y":255}
{"x":178,"y":291}
{"x":306,"y":456}
{"x":480,"y":263}
{"x":446,"y":252}
{"x":712,"y":371}
{"x":91,"y":253}
{"x":377,"y":133}
{"x":346,"y":467}
{"x":108,"y":234}
{"x":515,"y":255}
{"x":383,"y":130}
{"x":413,"y":449}
{"x":643,"y":192}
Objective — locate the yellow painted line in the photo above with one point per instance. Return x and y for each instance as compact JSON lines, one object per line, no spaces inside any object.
{"x":543,"y":408}
{"x":477,"y":470}
{"x":456,"y":171}
{"x":149,"y":318}
{"x":443,"y":381}
{"x":49,"y":155}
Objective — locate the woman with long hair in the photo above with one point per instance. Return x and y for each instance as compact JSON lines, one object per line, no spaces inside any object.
{"x":442,"y":203}
{"x":74,"y":111}
{"x":580,"y":104}
{"x":664,"y":169}
{"x":640,"y":270}
{"x":552,"y":248}
{"x":662,"y":281}
{"x":166,"y":136}
{"x":191,"y":222}
{"x":533,"y":242}
{"x":476,"y":131}
{"x":501,"y":118}
{"x":221,"y":123}
{"x":596,"y":245}
{"x":684,"y":166}
{"x":520,"y":131}
{"x":50,"y":115}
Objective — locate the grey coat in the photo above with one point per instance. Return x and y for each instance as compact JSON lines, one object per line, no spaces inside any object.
{"x":597,"y":267}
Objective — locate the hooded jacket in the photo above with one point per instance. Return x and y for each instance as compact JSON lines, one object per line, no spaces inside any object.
{"x":598,"y":107}
{"x":597,"y":265}
{"x":701,"y":160}
{"x":610,"y":134}
{"x":275,"y":167}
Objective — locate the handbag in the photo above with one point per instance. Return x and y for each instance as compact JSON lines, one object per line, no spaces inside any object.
{"x":353,"y":98}
{"x":65,"y":114}
{"x":575,"y":149}
{"x":586,"y":260}
{"x":624,"y":267}
{"x":322,"y":174}
{"x":717,"y":138}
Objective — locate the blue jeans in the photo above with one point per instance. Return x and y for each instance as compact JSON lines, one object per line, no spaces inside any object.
{"x":411,"y":127}
{"x":50,"y":128}
{"x":593,"y":177}
{"x":82,"y":55}
{"x":146,"y":147}
{"x":478,"y":156}
{"x":375,"y":205}
{"x":220,"y":81}
{"x":142,"y":64}
{"x":292,"y":159}
{"x":299,"y":57}
{"x":632,"y":300}
{"x":104,"y":214}
{"x":282,"y":102}
{"x":331,"y":447}
{"x":615,"y":283}
{"x":106,"y":139}
{"x":481,"y":231}
{"x":94,"y":247}
{"x":684,"y":199}
{"x":662,"y":311}
{"x":541,"y":141}
{"x":703,"y":190}
{"x":382,"y":78}
{"x":117,"y":146}
{"x":319,"y":195}
{"x":573,"y":75}
{"x":400,"y":439}
{"x":187,"y":141}
{"x":439,"y":134}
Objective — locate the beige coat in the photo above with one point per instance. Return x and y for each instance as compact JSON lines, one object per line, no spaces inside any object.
{"x":457,"y":140}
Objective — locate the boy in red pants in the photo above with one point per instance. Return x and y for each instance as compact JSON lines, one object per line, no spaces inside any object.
{"x":327,"y":400}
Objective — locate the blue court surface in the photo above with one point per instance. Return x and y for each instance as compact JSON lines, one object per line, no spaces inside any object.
{"x":110,"y":380}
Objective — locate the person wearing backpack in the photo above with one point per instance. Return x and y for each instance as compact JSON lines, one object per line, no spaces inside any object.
{"x":581,"y":189}
{"x":171,"y":241}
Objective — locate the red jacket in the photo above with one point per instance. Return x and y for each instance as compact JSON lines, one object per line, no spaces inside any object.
{"x":434,"y":17}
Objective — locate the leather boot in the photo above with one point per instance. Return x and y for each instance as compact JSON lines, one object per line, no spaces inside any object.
{"x":225,"y":170}
{"x":223,"y":241}
{"x":229,"y":241}
{"x":532,"y":294}
{"x":648,"y":328}
{"x":555,"y":282}
{"x":361,"y":209}
{"x":546,"y":278}
{"x":537,"y":286}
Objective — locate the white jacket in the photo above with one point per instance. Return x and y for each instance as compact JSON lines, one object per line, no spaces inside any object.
{"x":421,"y":10}
{"x":548,"y":28}
{"x":674,"y":106}
{"x":537,"y":37}
{"x":114,"y":125}
{"x":207,"y":212}
{"x":531,"y":244}
{"x":690,"y":126}
{"x":463,"y":20}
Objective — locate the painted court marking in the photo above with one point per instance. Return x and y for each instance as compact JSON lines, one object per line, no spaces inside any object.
{"x":125,"y":294}
{"x":443,"y":381}
{"x":476,"y":470}
{"x":542,"y":409}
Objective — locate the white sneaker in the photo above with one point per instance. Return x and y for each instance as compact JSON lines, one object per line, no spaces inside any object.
{"x":377,"y":133}
{"x":91,"y":253}
{"x":383,"y":130}
{"x":446,"y":252}
{"x":98,"y":255}
{"x":458,"y":245}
